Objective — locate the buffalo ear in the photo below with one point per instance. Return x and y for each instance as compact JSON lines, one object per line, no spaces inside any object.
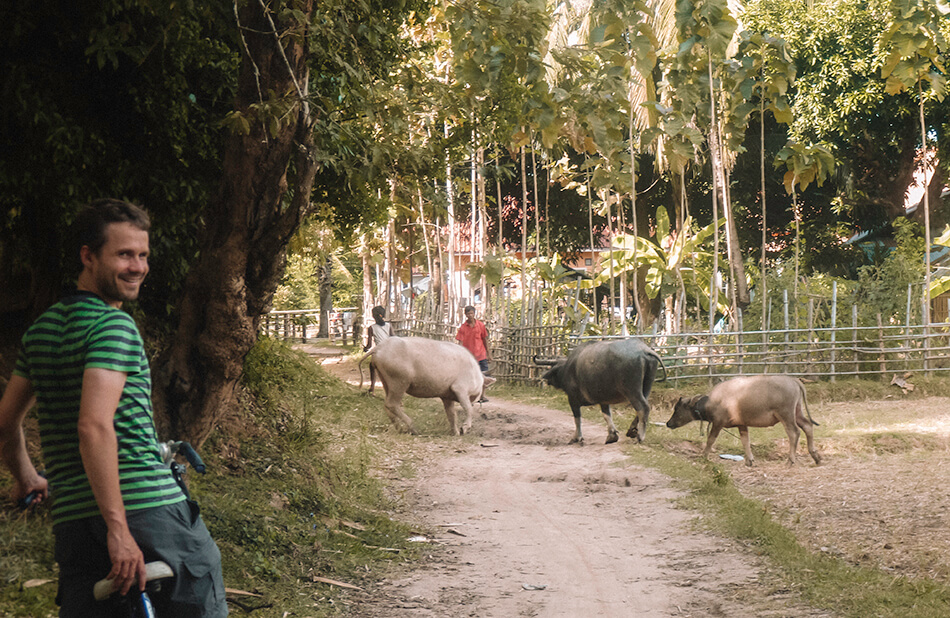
{"x":698,"y":404}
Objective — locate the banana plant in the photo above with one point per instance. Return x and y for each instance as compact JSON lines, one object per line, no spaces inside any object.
{"x":674,"y":254}
{"x":940,"y":285}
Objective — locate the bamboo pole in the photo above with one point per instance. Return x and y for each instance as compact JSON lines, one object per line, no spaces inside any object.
{"x":880,"y":338}
{"x":854,"y":336}
{"x":834,"y":322}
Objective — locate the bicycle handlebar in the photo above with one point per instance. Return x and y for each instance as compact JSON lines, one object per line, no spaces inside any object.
{"x":192,"y":456}
{"x":170,"y":448}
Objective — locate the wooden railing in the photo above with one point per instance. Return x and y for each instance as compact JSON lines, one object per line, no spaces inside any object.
{"x":302,"y":325}
{"x":299,"y":325}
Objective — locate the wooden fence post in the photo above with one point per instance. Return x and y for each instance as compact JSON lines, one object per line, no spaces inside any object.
{"x":924,"y":312}
{"x":854,"y":337}
{"x":811,"y":335}
{"x":739,"y":350}
{"x":834,"y":324}
{"x":880,"y":338}
{"x":785,"y":356}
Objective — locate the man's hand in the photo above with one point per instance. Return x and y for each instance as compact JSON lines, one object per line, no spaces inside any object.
{"x":23,"y":488}
{"x":128,"y":564}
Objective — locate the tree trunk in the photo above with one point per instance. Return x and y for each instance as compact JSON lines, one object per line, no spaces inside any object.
{"x":482,"y":228}
{"x":425,"y":239}
{"x":763,"y":290}
{"x":500,"y":204}
{"x":367,"y":268}
{"x":537,"y":203}
{"x":249,"y":224}
{"x":928,"y":246}
{"x":326,"y":297}
{"x":740,"y":294}
{"x":524,"y":233}
{"x":450,"y":264}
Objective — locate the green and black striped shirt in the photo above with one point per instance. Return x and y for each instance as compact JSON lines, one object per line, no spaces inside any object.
{"x":81,"y":332}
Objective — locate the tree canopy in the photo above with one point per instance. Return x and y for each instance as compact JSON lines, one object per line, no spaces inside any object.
{"x":402,"y":130}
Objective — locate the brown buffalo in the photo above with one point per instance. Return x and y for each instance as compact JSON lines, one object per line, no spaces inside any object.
{"x":428,"y":368}
{"x":751,"y":401}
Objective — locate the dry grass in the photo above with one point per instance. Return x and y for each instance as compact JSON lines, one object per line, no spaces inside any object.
{"x":880,"y":498}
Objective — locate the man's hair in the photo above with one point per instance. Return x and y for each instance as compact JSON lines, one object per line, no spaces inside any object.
{"x":379,"y":313}
{"x":469,"y":308}
{"x":89,"y":228}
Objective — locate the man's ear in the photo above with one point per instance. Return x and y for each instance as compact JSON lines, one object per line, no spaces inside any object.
{"x":85,"y":255}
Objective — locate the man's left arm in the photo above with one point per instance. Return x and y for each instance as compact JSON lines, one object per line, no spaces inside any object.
{"x":98,"y":446}
{"x":485,"y":342}
{"x":17,"y":400}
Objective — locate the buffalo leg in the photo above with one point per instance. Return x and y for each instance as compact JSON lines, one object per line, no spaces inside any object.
{"x":639,"y":400}
{"x":791,"y":428}
{"x":638,"y":428}
{"x":806,"y":426}
{"x":394,"y":410}
{"x":466,"y":403}
{"x":578,"y":436}
{"x":714,"y":430}
{"x":612,"y":435}
{"x":746,"y":446}
{"x":451,"y":415}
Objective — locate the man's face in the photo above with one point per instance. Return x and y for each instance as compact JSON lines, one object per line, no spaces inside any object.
{"x":117,"y":270}
{"x":469,"y":316}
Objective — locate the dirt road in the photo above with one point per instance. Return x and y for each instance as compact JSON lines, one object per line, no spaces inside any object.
{"x":519,"y":523}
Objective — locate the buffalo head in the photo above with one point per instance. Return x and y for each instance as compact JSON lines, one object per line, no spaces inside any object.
{"x":553,"y":376}
{"x":688,"y":410}
{"x":547,"y":362}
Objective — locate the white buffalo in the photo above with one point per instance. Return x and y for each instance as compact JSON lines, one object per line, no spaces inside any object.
{"x":427,"y":368}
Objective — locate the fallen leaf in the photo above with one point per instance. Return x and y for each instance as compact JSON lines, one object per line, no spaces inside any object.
{"x":33,"y":583}
{"x":244,"y":592}
{"x":334,"y":582}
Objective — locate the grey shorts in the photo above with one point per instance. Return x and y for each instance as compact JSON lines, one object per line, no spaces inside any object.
{"x":173,"y":533}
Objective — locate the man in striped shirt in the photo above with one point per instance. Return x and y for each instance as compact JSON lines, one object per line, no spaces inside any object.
{"x":115,"y":502}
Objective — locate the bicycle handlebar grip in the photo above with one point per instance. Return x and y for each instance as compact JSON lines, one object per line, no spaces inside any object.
{"x":192,"y":456}
{"x":104,"y":588}
{"x":25,"y":502}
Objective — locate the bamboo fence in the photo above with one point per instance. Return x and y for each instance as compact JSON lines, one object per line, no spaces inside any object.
{"x":879,"y":352}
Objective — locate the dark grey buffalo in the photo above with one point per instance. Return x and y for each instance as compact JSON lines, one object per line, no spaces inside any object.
{"x":604,"y":373}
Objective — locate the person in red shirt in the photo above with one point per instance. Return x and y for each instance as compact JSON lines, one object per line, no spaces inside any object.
{"x":473,"y":336}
